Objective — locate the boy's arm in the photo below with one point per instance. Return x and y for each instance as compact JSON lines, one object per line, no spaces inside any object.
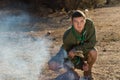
{"x":90,"y":42}
{"x":65,"y":44}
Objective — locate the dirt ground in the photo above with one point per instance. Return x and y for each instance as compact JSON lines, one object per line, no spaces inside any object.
{"x":107,"y":25}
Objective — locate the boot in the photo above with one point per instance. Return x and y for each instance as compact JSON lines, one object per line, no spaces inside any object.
{"x":88,"y":75}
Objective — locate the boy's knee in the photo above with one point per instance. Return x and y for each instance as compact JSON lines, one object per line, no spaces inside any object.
{"x":53,"y":65}
{"x":92,"y":54}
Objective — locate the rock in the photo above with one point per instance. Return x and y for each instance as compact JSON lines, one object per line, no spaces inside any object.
{"x":104,"y":50}
{"x":48,"y":33}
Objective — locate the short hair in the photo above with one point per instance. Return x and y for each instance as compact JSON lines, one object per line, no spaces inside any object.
{"x":78,"y":13}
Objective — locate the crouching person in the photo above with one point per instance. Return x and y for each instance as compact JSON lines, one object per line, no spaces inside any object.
{"x":80,"y":37}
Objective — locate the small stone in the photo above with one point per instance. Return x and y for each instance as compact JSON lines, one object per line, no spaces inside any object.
{"x":48,"y":33}
{"x":104,"y":50}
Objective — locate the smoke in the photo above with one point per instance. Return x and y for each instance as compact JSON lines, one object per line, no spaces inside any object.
{"x":22,"y":57}
{"x":14,"y":21}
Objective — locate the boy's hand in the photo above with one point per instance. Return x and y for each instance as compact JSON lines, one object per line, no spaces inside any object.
{"x":85,"y":66}
{"x":71,"y":53}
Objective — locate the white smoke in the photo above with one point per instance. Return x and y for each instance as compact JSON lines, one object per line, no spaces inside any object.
{"x":14,"y":21}
{"x":22,"y":57}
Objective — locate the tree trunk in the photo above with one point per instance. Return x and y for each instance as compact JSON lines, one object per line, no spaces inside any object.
{"x":108,"y":1}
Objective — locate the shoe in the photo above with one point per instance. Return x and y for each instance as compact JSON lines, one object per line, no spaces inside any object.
{"x":86,"y":78}
{"x":88,"y":75}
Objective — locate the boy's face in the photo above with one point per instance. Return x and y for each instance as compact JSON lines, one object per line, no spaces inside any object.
{"x":78,"y":23}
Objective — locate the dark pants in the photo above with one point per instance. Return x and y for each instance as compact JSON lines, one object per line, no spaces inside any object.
{"x":57,"y":62}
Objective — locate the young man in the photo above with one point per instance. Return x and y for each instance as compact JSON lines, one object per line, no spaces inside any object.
{"x":79,"y":37}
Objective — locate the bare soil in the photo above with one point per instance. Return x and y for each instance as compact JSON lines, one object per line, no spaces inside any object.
{"x":107,"y":25}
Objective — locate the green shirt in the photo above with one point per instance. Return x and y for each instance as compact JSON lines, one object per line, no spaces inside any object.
{"x":70,"y":40}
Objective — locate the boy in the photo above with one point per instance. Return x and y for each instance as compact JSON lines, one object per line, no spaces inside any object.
{"x":80,"y":36}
